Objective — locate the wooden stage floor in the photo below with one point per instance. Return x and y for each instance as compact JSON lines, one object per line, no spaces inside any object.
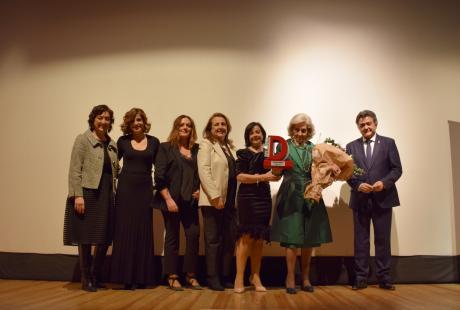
{"x":15,"y":294}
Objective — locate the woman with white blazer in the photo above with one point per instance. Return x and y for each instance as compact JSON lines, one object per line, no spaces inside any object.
{"x":217,"y":171}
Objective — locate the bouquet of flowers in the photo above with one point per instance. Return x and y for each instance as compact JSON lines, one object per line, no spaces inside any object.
{"x":330,"y":163}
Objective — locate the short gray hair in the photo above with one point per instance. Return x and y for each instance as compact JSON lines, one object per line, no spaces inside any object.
{"x":302,"y":118}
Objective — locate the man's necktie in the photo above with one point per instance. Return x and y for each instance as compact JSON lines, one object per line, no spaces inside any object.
{"x":368,"y":152}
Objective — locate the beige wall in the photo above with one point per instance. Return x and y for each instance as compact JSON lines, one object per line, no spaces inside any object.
{"x":260,"y":61}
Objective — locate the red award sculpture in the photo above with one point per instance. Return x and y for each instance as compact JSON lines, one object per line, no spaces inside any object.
{"x":277,"y":161}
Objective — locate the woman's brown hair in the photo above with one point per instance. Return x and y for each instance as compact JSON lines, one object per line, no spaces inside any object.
{"x":207,"y":130}
{"x":129,"y":118}
{"x":98,"y":110}
{"x":174,"y":134}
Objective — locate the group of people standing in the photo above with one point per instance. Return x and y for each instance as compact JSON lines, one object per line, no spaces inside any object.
{"x":190,"y":177}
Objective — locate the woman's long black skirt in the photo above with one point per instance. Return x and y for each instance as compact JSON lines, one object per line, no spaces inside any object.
{"x":132,"y":255}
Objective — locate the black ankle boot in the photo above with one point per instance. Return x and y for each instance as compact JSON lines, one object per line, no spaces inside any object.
{"x":98,"y":264}
{"x":214,"y":283}
{"x":84,"y":254}
{"x":227,"y":282}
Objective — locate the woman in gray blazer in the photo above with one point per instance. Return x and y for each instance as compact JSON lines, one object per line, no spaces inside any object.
{"x":217,"y":171}
{"x":89,"y":208}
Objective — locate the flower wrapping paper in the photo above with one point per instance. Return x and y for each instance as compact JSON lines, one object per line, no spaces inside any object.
{"x":329,"y":164}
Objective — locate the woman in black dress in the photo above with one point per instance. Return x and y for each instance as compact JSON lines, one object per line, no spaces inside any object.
{"x":132,"y":255}
{"x":254,"y":205}
{"x":178,"y":189}
{"x":89,"y":209}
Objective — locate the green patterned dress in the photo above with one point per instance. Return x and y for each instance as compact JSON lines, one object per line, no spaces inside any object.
{"x":296,"y":222}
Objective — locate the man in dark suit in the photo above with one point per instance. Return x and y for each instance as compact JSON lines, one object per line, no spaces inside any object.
{"x":373,"y":194}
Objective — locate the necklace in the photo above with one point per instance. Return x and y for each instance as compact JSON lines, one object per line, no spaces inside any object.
{"x":305,"y":159}
{"x":185,"y":152}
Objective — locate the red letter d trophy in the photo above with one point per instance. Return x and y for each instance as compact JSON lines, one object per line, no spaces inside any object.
{"x":277,"y":161}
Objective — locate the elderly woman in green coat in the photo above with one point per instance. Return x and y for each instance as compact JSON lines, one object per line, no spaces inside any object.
{"x":298,"y":223}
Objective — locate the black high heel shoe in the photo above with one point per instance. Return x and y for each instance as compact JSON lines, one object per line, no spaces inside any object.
{"x":308,"y":288}
{"x":291,"y":290}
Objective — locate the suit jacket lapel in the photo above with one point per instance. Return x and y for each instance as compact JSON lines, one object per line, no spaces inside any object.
{"x":176,"y":152}
{"x":219,"y":150}
{"x":361,"y":156}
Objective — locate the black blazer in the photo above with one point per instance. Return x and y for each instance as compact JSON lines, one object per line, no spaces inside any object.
{"x":385,"y":166}
{"x":168,"y":174}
